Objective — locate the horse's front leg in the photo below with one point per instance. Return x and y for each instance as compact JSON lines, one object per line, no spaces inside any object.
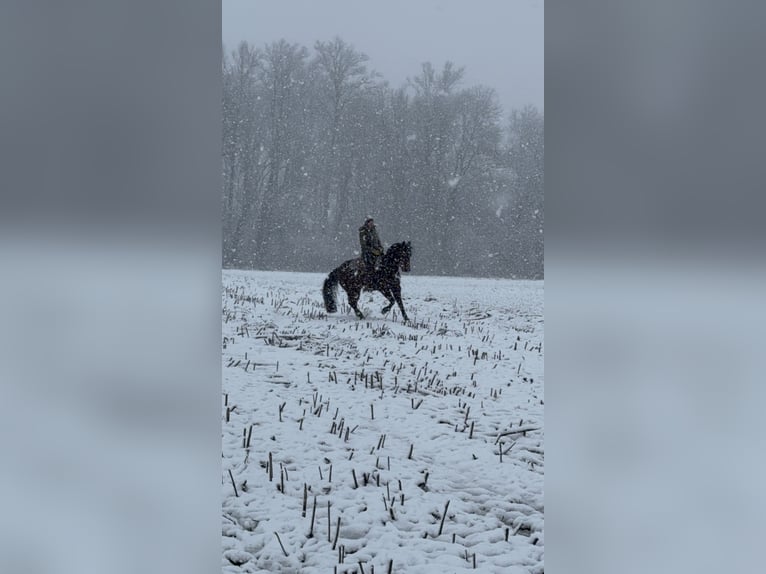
{"x":397,"y":291}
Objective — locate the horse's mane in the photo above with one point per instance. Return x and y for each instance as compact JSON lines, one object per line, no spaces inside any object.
{"x":395,"y":251}
{"x":397,"y":247}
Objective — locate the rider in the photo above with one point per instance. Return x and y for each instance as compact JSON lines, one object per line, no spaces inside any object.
{"x":372,"y":248}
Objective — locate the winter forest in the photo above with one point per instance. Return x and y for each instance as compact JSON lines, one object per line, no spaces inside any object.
{"x":314,"y":140}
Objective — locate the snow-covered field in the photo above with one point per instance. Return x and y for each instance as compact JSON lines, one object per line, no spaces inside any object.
{"x":376,"y":446}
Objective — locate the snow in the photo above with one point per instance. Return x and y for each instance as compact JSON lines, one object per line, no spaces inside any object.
{"x":388,"y":423}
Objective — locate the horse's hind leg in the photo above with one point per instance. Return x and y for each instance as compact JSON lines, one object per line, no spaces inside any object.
{"x":353,"y":299}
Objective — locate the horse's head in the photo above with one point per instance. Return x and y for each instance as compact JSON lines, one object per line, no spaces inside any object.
{"x":398,"y":255}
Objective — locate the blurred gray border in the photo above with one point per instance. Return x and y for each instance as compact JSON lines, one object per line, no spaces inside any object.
{"x":655,"y":131}
{"x":654,"y":286}
{"x":110,"y":250}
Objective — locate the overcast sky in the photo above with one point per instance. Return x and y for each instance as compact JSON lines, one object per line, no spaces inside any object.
{"x":499,"y":42}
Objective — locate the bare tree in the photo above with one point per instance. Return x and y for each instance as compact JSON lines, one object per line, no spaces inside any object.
{"x":313,"y":144}
{"x":526,"y":159}
{"x":342,"y":78}
{"x":240,"y":147}
{"x":473,"y":152}
{"x":283,"y":76}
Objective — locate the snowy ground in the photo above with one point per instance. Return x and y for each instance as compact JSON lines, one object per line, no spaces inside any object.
{"x":373,"y":446}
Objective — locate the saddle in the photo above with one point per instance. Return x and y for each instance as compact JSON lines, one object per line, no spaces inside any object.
{"x":366,"y":275}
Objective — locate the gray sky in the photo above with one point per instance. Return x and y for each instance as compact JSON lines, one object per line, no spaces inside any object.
{"x":500,"y":42}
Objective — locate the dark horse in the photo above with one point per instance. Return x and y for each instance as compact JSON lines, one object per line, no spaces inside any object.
{"x":352,"y":278}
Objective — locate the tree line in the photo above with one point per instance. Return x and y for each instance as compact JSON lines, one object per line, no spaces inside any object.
{"x":315,"y":141}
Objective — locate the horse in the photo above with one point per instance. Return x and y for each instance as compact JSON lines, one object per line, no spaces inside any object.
{"x":351,"y":276}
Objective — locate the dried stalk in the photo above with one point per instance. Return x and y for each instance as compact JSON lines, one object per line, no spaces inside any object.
{"x":280,"y":544}
{"x":441,"y":526}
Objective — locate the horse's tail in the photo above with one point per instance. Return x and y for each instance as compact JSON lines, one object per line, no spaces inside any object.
{"x":328,"y":292}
